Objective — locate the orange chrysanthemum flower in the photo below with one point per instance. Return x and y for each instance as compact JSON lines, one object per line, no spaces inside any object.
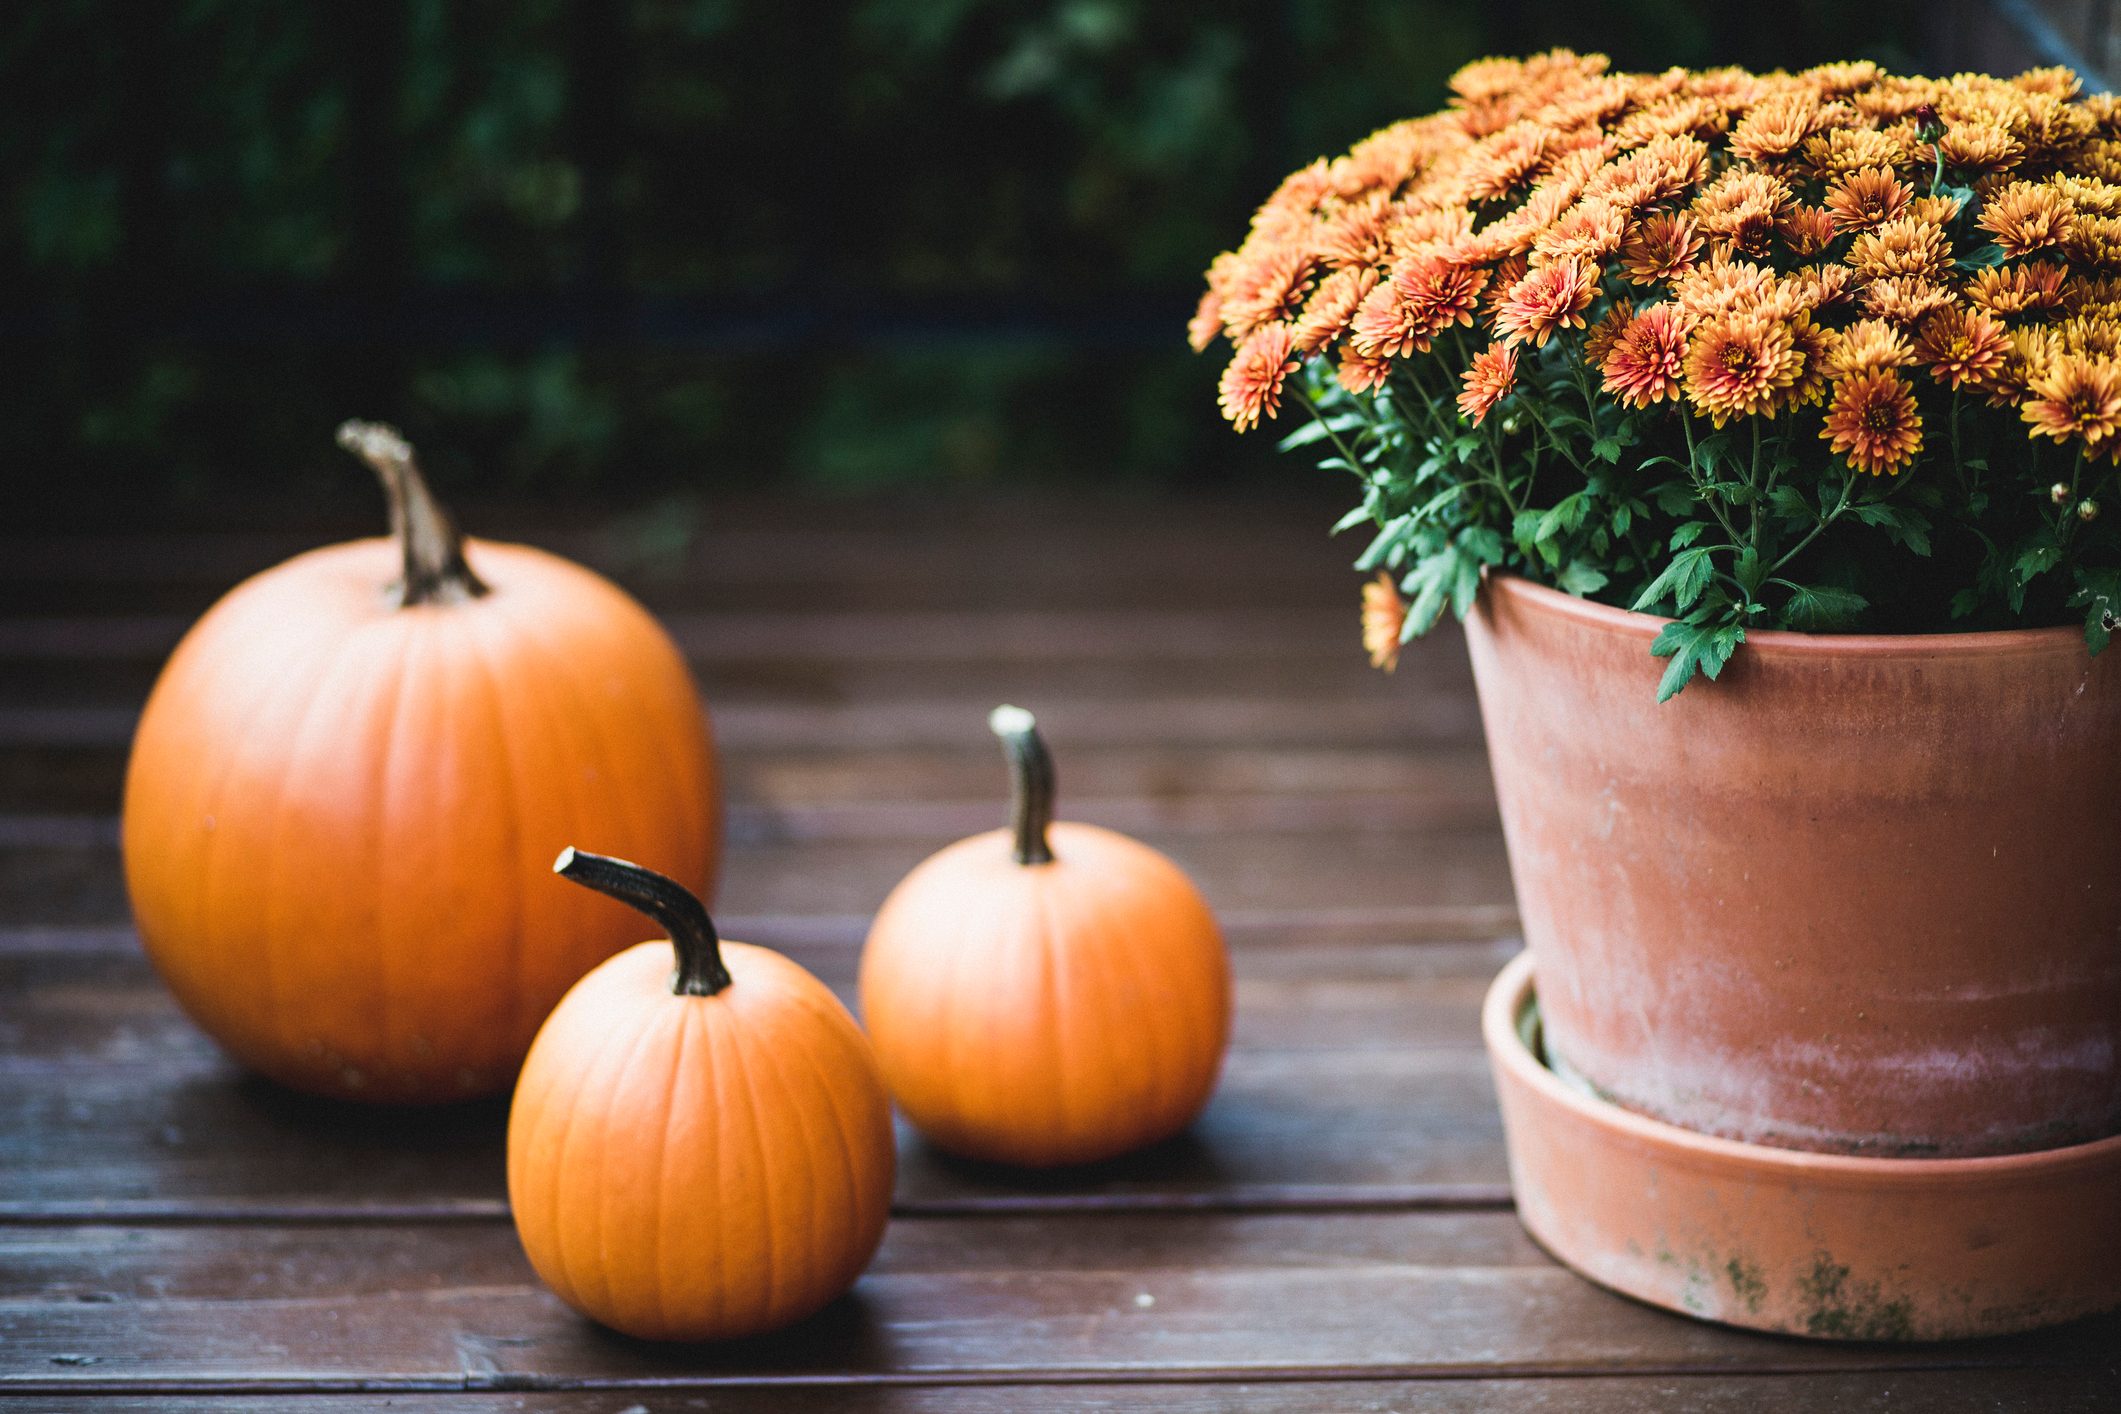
{"x":1590,"y":230}
{"x":1740,"y":365}
{"x":1506,"y":161}
{"x":2022,"y":289}
{"x":1549,"y":298}
{"x":1647,"y":360}
{"x":1723,"y":286}
{"x":1424,"y":296}
{"x":1359,"y":372}
{"x":1815,"y":344}
{"x":1906,"y":301}
{"x":1777,"y":127}
{"x":1207,"y":321}
{"x":1738,"y":211}
{"x":1251,"y":385}
{"x":1332,"y":305}
{"x":1873,"y":422}
{"x":1357,"y":235}
{"x":1806,"y":231}
{"x":1962,"y":347}
{"x":1868,"y":346}
{"x":1384,"y":621}
{"x":1488,"y":381}
{"x":1901,"y":248}
{"x":1598,"y":339}
{"x":1846,"y":150}
{"x":1664,"y":247}
{"x":2096,"y":335}
{"x":2031,"y":353}
{"x":2078,"y":398}
{"x":1266,"y":287}
{"x":2027,"y":216}
{"x":1978,"y":149}
{"x":1867,"y":198}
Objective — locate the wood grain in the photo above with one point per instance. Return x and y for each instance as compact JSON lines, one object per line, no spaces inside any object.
{"x":952,"y":1300}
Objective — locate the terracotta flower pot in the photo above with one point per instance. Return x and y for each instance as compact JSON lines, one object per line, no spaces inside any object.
{"x":1806,"y":1244}
{"x":1860,"y":895}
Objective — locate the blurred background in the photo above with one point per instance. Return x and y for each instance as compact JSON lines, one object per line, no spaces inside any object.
{"x":643,"y":253}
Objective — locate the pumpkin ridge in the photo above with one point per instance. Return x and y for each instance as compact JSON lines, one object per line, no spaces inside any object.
{"x":558,"y":675}
{"x":662,"y":1163}
{"x":1058,"y":998}
{"x":710,"y":1020}
{"x":510,"y":796}
{"x":1104,"y":919}
{"x":608,"y":1153}
{"x":837,"y":1130}
{"x":598,"y":1150}
{"x":383,"y":824}
{"x":269,"y":704}
{"x":765,"y":1165}
{"x":275,"y":928}
{"x":787,"y":1102}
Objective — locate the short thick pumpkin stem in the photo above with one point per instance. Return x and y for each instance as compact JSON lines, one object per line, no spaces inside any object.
{"x":699,"y":948}
{"x":1031,"y":775}
{"x":435,"y":568}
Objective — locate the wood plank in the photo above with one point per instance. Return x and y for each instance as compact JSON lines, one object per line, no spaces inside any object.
{"x":1237,"y":784}
{"x":1166,"y":716}
{"x":1210,"y":1296}
{"x":1355,"y":1080}
{"x":1996,"y":1390}
{"x":93,"y":1000}
{"x":1450,"y":866}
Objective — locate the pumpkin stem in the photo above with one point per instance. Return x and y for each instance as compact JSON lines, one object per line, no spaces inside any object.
{"x":699,"y":948}
{"x":1031,"y":780}
{"x":435,"y":568}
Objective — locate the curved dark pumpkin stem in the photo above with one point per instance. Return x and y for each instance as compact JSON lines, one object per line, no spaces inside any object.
{"x":435,"y":568}
{"x":1031,"y":779}
{"x":701,"y":972}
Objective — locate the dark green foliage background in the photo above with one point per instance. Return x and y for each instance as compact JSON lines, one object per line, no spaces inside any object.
{"x":693,"y":242}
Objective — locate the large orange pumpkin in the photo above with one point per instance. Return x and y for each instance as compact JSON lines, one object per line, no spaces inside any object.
{"x":703,"y":1151}
{"x":350,"y":778}
{"x":1047,"y":994}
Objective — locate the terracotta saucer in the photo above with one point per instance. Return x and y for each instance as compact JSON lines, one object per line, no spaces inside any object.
{"x":1797,"y":1242}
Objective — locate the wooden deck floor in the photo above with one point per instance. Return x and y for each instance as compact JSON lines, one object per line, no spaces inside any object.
{"x":1335,"y":1234}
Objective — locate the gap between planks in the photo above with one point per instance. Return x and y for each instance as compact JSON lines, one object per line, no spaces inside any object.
{"x":1236,"y":1199}
{"x":1916,"y":1361}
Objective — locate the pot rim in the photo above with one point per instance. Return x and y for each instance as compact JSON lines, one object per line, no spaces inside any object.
{"x":1781,"y":641}
{"x":1512,"y":992}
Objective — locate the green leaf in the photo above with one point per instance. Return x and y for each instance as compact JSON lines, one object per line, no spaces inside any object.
{"x":1694,"y":647}
{"x":1901,"y":525}
{"x":1683,"y":579}
{"x":2099,"y":595}
{"x":1387,"y":546}
{"x":1747,"y":571}
{"x":1822,"y":606}
{"x":1606,"y":449}
{"x":2035,"y":561}
{"x":1675,"y":498}
{"x":1687,"y":534}
{"x":1351,"y":519}
{"x":1581,"y":579}
{"x":1787,"y":500}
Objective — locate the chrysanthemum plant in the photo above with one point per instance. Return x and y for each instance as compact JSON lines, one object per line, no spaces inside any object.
{"x":1829,"y":351}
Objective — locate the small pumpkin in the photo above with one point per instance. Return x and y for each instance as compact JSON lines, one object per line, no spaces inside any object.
{"x":351,"y":776}
{"x":1050,"y":993}
{"x":703,"y":1152}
